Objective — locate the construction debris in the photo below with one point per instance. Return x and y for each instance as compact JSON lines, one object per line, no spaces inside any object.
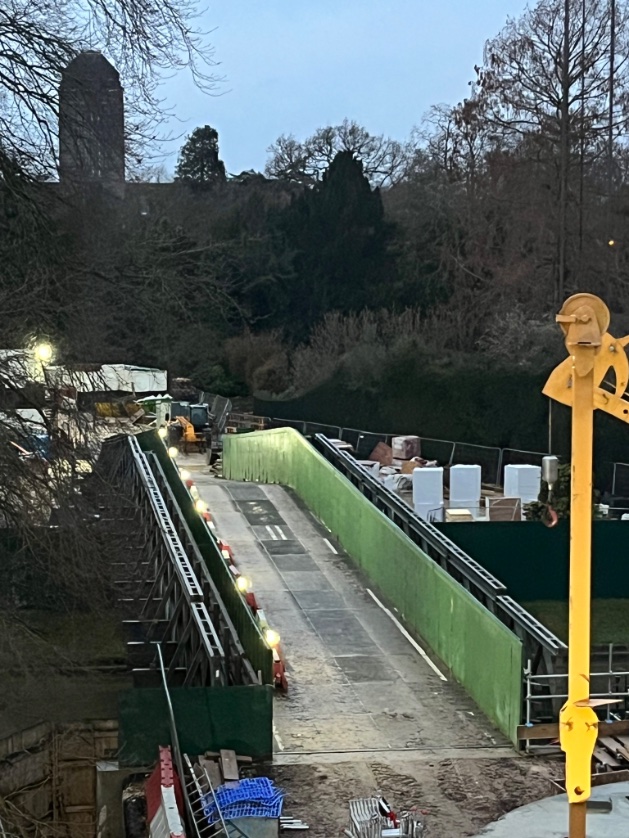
{"x":289,"y":824}
{"x":372,"y":817}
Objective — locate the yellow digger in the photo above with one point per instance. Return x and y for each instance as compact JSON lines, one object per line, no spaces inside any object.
{"x":191,"y":437}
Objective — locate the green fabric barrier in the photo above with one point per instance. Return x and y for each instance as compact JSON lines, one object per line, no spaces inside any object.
{"x":255,"y":646}
{"x":532,"y":560}
{"x":479,"y":650}
{"x":208,"y":719}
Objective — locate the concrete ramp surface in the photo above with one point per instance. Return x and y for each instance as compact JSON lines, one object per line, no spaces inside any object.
{"x":356,"y":683}
{"x":549,"y":818}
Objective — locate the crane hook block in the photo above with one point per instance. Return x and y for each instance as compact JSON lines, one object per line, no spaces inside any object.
{"x":578,"y":730}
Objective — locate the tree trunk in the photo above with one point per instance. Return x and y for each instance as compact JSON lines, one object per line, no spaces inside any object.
{"x":564,"y":158}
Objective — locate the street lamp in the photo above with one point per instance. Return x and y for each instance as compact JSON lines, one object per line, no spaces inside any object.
{"x":44,"y":352}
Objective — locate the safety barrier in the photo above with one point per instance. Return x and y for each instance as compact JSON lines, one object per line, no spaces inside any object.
{"x":208,"y":719}
{"x":257,"y":651}
{"x":533,"y":559}
{"x":482,"y":653}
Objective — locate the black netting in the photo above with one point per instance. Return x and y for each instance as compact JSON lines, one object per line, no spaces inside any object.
{"x":621,"y":480}
{"x":437,"y":449}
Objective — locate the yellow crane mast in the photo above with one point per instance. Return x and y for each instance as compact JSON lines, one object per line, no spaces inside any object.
{"x":576,"y":382}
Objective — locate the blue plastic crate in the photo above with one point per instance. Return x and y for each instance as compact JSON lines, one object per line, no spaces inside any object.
{"x":256,"y":797}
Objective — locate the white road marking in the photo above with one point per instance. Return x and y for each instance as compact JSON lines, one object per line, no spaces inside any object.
{"x":277,"y":738}
{"x":271,"y":532}
{"x":281,"y":533}
{"x":331,"y":546}
{"x":413,"y":642}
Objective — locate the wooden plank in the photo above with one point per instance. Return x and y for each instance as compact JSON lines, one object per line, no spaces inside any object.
{"x":550,"y":730}
{"x":614,"y":746}
{"x":229,"y":766}
{"x":609,"y":777}
{"x":606,"y":759}
{"x":213,"y":771}
{"x":606,"y":778}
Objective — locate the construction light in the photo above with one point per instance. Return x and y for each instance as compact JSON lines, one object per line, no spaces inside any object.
{"x":272,"y":637}
{"x":44,"y":353}
{"x":185,"y":475}
{"x":243,"y":584}
{"x":173,"y":452}
{"x":611,"y":242}
{"x":162,"y":433}
{"x":200,"y":506}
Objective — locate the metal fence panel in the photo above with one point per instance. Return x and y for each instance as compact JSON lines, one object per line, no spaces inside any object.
{"x":478,"y":455}
{"x":620,"y":482}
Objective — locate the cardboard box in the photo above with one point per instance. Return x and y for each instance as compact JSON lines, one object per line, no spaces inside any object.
{"x":453,"y":515}
{"x":405,"y":447}
{"x":382,"y":454}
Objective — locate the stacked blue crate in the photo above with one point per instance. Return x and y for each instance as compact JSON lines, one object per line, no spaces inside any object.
{"x":257,"y":797}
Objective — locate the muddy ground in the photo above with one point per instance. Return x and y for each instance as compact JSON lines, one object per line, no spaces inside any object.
{"x":457,"y":796}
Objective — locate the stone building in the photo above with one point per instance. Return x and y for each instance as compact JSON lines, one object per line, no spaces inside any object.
{"x":91,"y":124}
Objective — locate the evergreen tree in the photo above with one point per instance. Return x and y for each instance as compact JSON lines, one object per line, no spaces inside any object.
{"x":199,"y":163}
{"x":341,"y":244}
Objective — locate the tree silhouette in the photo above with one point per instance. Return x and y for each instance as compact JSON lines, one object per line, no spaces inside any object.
{"x":340,"y":239}
{"x":199,"y":163}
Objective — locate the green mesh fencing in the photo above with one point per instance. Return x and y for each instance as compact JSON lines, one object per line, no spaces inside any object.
{"x":255,"y":647}
{"x":208,"y":719}
{"x":483,"y":655}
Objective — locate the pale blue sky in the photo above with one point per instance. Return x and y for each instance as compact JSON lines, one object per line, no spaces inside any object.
{"x":293,"y":66}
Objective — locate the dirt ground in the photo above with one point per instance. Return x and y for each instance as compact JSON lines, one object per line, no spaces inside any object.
{"x":458,"y":797}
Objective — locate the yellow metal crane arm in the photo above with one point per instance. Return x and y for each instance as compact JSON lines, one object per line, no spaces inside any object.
{"x":576,"y":382}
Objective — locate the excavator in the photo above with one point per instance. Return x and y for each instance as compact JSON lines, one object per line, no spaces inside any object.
{"x":193,"y":438}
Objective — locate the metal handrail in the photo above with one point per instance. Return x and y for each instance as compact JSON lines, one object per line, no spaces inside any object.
{"x":505,"y":608}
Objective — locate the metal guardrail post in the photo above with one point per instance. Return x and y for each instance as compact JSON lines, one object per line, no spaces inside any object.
{"x":499,"y":471}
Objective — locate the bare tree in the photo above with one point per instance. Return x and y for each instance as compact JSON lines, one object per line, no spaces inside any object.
{"x":385,"y":161}
{"x":550,"y":79}
{"x":38,"y":38}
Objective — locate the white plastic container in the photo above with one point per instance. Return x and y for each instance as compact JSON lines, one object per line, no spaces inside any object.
{"x":523,"y":482}
{"x":428,"y":486}
{"x":465,"y":485}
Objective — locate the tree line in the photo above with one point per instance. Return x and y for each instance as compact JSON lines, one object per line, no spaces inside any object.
{"x":481,"y":222}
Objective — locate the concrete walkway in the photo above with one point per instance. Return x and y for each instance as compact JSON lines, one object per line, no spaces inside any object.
{"x":549,"y":818}
{"x":357,"y":685}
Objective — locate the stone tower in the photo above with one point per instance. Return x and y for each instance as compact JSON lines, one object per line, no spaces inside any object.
{"x":91,"y":124}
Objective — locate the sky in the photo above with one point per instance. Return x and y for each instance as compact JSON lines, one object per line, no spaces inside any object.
{"x":292,"y":66}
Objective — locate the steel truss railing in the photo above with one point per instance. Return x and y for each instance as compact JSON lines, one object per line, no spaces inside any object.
{"x":545,"y":694}
{"x":541,"y":647}
{"x":170,"y":588}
